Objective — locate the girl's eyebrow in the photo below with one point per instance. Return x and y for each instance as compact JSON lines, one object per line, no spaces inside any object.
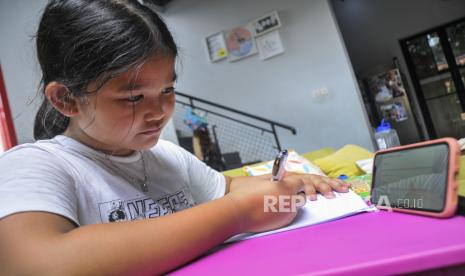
{"x":131,"y":86}
{"x":139,"y":84}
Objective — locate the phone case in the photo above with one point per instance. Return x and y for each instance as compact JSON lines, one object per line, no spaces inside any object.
{"x":450,"y":206}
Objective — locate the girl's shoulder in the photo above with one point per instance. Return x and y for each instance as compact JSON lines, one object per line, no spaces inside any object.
{"x":59,"y":156}
{"x":53,"y":151}
{"x":41,"y":148}
{"x":32,"y":159}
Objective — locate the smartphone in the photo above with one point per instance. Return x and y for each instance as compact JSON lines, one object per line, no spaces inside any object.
{"x":418,"y":178}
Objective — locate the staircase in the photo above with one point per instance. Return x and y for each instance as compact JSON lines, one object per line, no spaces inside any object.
{"x":237,"y":138}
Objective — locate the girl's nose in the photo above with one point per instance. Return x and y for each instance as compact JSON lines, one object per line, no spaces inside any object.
{"x":154,"y":109}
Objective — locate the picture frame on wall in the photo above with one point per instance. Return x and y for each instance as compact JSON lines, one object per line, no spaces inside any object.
{"x":240,"y":43}
{"x":269,"y":45}
{"x":216,"y":47}
{"x":266,"y":23}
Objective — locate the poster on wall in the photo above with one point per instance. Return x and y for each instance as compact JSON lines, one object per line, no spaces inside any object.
{"x":395,"y":111}
{"x":393,"y":80}
{"x":387,"y":86}
{"x":216,"y":47}
{"x":240,"y":43}
{"x":266,"y":23}
{"x":269,"y":45}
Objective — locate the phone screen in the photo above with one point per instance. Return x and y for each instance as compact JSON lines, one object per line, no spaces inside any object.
{"x":413,"y":178}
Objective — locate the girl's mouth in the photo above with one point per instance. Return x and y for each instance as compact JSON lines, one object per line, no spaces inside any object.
{"x":152,"y":131}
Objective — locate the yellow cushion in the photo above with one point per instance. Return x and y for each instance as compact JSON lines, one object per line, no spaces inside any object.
{"x":343,"y":161}
{"x":235,"y":172}
{"x":461,"y":176}
{"x":317,"y":154}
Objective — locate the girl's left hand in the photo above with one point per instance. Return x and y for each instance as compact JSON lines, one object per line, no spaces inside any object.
{"x":313,"y":183}
{"x":324,"y":185}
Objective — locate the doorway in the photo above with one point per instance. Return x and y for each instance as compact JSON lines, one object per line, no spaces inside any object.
{"x":436,"y":62}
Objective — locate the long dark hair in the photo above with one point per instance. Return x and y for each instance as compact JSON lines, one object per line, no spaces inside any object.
{"x":81,"y":41}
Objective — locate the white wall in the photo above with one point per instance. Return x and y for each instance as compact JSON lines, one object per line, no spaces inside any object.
{"x":315,"y":57}
{"x":18,"y":24}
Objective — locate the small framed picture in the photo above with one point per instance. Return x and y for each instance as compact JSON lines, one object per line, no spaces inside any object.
{"x":240,"y":43}
{"x":266,"y":23}
{"x":269,"y":45}
{"x":216,"y":47}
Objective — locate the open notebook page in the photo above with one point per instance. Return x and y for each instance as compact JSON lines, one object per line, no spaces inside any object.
{"x":319,"y":211}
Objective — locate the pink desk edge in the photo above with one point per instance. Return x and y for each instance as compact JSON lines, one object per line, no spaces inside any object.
{"x":364,"y":244}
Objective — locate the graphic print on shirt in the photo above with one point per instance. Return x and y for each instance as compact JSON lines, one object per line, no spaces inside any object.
{"x":117,"y":213}
{"x":143,"y":207}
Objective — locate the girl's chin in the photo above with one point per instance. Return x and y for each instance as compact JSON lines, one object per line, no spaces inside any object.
{"x":149,"y":143}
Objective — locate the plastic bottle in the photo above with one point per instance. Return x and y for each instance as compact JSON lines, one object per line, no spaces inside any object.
{"x":386,"y":137}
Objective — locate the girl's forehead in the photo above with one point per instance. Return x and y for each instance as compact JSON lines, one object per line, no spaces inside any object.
{"x":149,"y":72}
{"x":154,"y":71}
{"x":152,"y":67}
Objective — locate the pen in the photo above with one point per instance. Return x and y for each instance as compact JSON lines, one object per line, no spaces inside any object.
{"x":278,"y":166}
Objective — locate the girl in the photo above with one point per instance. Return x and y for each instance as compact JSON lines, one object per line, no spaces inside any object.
{"x":108,"y":74}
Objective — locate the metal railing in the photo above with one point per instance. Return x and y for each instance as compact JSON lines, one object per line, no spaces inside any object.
{"x":236,"y":134}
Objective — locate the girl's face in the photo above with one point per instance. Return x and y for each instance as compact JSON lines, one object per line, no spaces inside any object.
{"x":129,"y":111}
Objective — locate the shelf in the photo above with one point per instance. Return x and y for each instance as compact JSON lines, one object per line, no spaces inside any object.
{"x":441,"y":96}
{"x":442,"y":76}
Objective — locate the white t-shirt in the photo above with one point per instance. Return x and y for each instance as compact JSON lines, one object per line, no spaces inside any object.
{"x":65,"y":177}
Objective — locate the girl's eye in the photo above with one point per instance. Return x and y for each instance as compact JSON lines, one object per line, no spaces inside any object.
{"x":168,"y":90}
{"x":134,"y":99}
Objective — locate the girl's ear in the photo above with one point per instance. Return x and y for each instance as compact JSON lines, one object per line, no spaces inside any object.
{"x":60,"y":97}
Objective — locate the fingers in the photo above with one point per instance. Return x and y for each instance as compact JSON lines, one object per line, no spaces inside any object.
{"x":323,"y":185}
{"x":310,"y":191}
{"x":338,"y":185}
{"x":312,"y":184}
{"x":301,"y":199}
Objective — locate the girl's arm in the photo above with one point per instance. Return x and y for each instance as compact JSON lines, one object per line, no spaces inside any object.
{"x":40,"y":243}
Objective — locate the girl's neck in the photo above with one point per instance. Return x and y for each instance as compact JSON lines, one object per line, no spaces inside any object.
{"x":82,"y":137}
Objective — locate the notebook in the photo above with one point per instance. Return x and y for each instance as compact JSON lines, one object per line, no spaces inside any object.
{"x":319,"y":211}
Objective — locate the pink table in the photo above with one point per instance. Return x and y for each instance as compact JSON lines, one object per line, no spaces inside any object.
{"x":365,"y":244}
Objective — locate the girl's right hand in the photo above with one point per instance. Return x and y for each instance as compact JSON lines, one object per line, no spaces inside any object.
{"x":265,"y":205}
